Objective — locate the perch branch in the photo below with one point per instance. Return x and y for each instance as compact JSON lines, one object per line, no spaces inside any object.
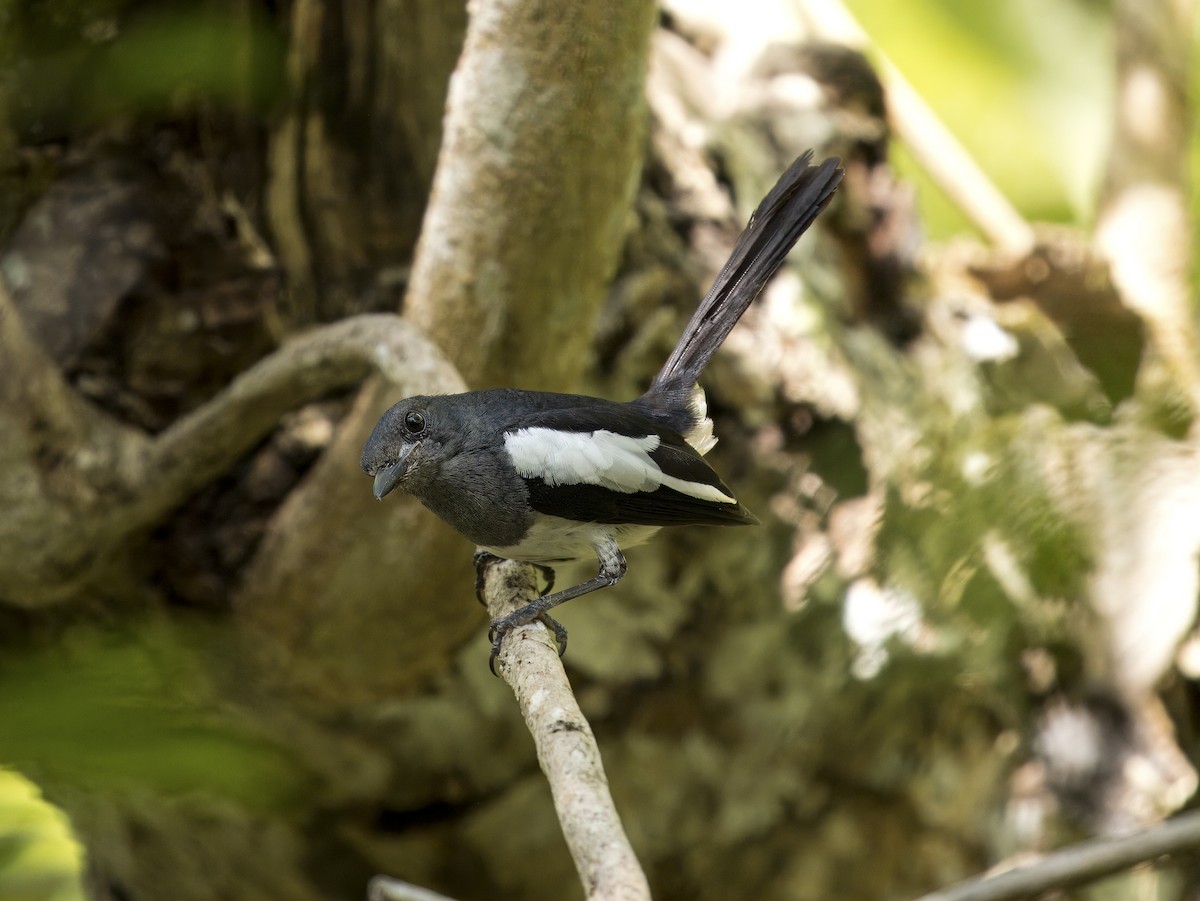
{"x":201,"y":445}
{"x":933,"y":146}
{"x":566,"y":747}
{"x":1080,"y":863}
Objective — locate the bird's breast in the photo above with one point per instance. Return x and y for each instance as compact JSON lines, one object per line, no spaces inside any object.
{"x":553,"y":539}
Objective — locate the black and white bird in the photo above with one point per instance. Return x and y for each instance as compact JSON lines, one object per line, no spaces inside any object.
{"x":547,"y":478}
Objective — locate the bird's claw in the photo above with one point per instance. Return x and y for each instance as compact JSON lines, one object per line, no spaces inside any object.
{"x":501,"y":627}
{"x":505,"y":624}
{"x":559,"y":630}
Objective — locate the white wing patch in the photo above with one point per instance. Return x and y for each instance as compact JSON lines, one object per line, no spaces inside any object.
{"x":617,"y":462}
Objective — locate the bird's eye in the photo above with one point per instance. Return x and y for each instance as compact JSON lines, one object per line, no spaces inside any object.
{"x":414,"y":423}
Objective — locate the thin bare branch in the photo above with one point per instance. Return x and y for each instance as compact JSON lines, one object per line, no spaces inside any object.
{"x":1081,"y":863}
{"x":932,"y":144}
{"x":566,"y":747}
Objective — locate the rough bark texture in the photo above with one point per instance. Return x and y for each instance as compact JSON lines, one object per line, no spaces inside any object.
{"x":242,"y":676}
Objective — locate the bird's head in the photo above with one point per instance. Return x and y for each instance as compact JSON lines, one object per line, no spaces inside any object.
{"x":408,"y":443}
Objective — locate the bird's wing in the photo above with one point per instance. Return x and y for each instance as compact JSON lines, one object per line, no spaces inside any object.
{"x":611,"y":464}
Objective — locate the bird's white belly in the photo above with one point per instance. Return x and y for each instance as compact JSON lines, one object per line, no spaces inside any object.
{"x":552,"y":539}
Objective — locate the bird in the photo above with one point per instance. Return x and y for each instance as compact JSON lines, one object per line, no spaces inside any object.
{"x":547,"y":478}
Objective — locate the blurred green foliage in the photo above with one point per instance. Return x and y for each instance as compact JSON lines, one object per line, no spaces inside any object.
{"x":1025,"y":85}
{"x":129,"y":714}
{"x":39,"y":858}
{"x":132,"y":711}
{"x":70,"y":65}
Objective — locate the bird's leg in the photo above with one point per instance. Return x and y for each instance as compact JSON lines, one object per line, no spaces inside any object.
{"x":612,"y":568}
{"x":559,"y":630}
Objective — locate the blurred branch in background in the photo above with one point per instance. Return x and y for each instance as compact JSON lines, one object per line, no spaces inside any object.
{"x":1080,"y":864}
{"x":1036,"y":118}
{"x":382,"y":888}
{"x":933,"y":145}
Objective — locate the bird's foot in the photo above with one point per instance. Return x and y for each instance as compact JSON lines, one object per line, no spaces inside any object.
{"x":505,"y":624}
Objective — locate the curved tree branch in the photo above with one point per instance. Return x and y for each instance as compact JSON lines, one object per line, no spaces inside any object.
{"x":566,"y":748}
{"x":203,"y":444}
{"x":61,"y":462}
{"x":33,"y":389}
{"x":109,"y":481}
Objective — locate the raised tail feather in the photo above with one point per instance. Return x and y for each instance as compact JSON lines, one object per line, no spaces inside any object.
{"x":790,"y":207}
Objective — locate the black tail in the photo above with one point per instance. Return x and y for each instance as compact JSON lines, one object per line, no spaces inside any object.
{"x":799,"y":196}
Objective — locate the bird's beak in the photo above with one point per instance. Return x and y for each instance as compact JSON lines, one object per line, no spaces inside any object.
{"x":391,"y":476}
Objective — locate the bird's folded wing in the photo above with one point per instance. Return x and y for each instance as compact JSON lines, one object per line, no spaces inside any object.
{"x":610,"y":464}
